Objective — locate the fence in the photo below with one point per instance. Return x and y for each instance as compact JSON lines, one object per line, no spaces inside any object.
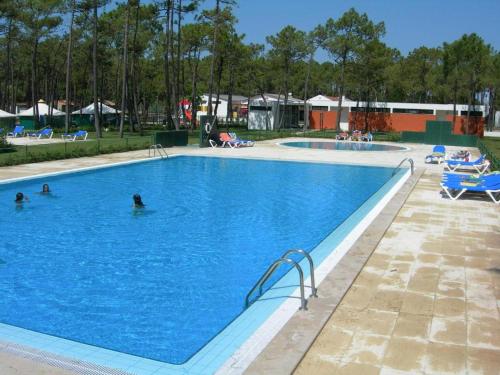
{"x":495,"y":162}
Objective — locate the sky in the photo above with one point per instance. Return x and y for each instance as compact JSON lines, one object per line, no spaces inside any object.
{"x":409,"y":23}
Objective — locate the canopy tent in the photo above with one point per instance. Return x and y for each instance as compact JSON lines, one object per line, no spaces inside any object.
{"x":89,"y":110}
{"x":4,"y":114}
{"x":43,"y":110}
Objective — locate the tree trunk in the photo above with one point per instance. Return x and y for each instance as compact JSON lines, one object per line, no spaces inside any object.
{"x":167,"y":65}
{"x":125,"y":70}
{"x":212,"y":63}
{"x":34,"y":98}
{"x":306,"y":86}
{"x":173,"y":81}
{"x":94,"y":74}
{"x":220,"y":68}
{"x":67,"y":121}
{"x":135,"y":88}
{"x":341,"y":92}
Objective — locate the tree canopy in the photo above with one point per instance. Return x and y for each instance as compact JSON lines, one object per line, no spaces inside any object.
{"x":146,"y":57}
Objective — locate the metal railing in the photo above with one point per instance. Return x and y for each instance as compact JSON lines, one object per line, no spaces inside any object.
{"x":284,"y":259}
{"x":412,"y":165}
{"x":161,"y":151}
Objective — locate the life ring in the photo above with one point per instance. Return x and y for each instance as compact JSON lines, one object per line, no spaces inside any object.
{"x":208,"y":127}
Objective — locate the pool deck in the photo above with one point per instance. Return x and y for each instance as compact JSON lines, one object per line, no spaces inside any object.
{"x":427,"y":300}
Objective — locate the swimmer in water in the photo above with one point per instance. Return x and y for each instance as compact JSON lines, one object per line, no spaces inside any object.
{"x":45,"y":189}
{"x":138,"y":201}
{"x":20,"y":198}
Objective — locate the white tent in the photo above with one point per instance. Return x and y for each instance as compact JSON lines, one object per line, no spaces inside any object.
{"x":89,"y":110}
{"x":4,"y":114}
{"x":43,"y":110}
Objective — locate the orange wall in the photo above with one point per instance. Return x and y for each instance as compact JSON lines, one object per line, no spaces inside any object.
{"x":396,"y":122}
{"x":329,"y":120}
{"x":476,"y":125}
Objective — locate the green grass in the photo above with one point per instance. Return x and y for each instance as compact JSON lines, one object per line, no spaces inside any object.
{"x":491,"y":147}
{"x":109,"y":143}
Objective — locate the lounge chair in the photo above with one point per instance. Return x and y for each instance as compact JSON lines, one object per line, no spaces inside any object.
{"x":438,"y":155}
{"x":228,"y":141}
{"x":18,"y":131}
{"x":490,"y":185}
{"x":368,"y":137}
{"x":243,"y":142}
{"x":343,"y":136}
{"x":80,"y":134}
{"x":48,"y":133}
{"x":481,"y":164}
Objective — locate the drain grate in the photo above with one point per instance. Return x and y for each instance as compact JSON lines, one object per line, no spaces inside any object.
{"x":78,"y":367}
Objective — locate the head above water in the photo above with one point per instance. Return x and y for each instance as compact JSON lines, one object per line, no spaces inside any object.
{"x":19,"y":197}
{"x":45,"y":188}
{"x":137,"y":200}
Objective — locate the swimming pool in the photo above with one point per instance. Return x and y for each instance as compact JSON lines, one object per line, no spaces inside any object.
{"x":344,"y":146}
{"x":162,"y":283}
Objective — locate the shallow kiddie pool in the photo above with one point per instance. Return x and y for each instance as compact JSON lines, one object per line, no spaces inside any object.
{"x":344,"y":146}
{"x":164,"y":282}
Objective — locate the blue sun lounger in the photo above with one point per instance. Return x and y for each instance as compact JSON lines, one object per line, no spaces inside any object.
{"x":48,"y":133}
{"x":438,"y":155}
{"x":242,"y":142}
{"x":18,"y":130}
{"x":454,"y":187}
{"x":480,"y":164}
{"x":80,"y":134}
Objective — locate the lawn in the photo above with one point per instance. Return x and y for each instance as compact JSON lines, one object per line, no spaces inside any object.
{"x":492,"y":150}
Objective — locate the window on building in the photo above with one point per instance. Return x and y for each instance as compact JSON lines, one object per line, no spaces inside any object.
{"x":472,"y":113}
{"x":413,"y":111}
{"x":259,"y":108}
{"x":370,"y":109}
{"x":319,"y":108}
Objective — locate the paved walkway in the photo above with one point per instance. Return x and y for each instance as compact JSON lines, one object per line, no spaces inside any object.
{"x":428,"y":299}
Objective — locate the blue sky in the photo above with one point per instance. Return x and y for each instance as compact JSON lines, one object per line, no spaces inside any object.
{"x":409,"y":23}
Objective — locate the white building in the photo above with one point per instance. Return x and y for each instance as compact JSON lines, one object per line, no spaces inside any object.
{"x":328,"y":103}
{"x":236,"y":100}
{"x":263,"y":112}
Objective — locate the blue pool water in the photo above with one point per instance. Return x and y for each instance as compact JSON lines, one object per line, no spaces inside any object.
{"x":344,"y":146}
{"x":80,"y":264}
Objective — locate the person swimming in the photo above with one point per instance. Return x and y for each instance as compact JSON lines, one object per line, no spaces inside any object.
{"x":138,"y":201}
{"x":20,"y":198}
{"x":45,"y":189}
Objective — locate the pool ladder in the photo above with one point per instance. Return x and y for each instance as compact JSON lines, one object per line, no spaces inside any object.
{"x":284,"y":259}
{"x":161,"y":151}
{"x":412,"y":165}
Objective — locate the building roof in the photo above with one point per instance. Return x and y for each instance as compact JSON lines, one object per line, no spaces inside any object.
{"x":43,"y":110}
{"x":4,"y":114}
{"x":89,"y":110}
{"x":257,"y":99}
{"x":225,"y":97}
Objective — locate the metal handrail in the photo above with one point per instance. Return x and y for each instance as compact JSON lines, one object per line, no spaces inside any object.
{"x":412,"y":165}
{"x":270,"y":271}
{"x":160,"y":149}
{"x":311,"y":269}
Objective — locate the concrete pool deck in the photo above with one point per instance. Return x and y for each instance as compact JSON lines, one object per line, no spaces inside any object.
{"x":425,"y":302}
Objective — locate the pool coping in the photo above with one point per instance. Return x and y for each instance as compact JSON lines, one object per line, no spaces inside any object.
{"x":291,"y":344}
{"x":289,"y":307}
